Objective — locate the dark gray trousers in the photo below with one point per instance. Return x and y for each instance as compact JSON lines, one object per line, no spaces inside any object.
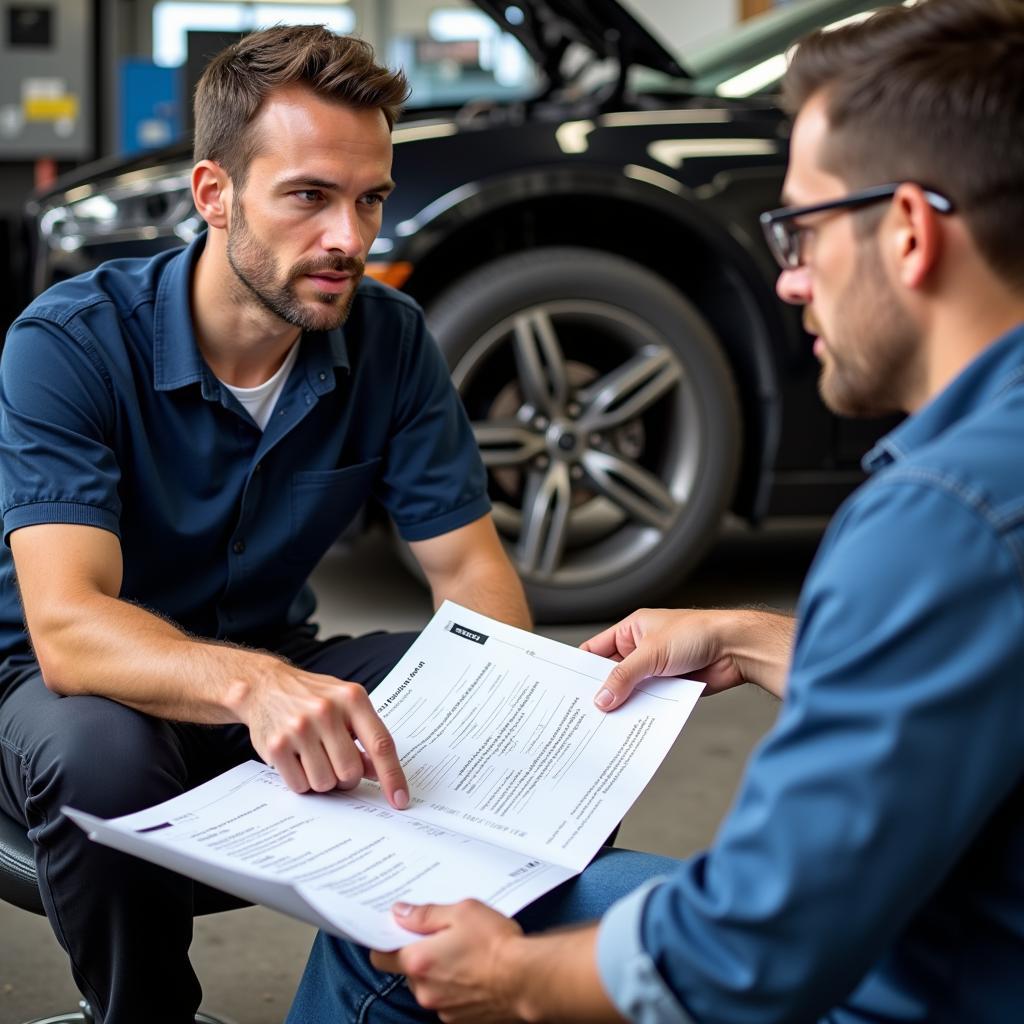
{"x":125,"y":924}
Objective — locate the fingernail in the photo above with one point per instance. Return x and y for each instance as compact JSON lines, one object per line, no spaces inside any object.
{"x":401,"y":799}
{"x":402,"y":909}
{"x":605,"y":699}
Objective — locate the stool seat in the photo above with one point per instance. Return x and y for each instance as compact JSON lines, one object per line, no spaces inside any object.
{"x":18,"y":882}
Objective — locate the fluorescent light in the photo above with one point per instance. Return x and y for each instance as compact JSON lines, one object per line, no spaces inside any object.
{"x":853,"y":19}
{"x":760,"y":76}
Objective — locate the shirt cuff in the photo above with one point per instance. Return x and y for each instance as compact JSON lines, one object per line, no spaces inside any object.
{"x":37,"y":513}
{"x":426,"y":529}
{"x":627,"y":971}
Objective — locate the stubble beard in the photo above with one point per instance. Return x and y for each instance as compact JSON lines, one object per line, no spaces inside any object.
{"x":256,"y":269}
{"x":872,"y":364}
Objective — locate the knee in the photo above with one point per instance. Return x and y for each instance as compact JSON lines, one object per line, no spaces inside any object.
{"x":103,"y":757}
{"x":340,"y":983}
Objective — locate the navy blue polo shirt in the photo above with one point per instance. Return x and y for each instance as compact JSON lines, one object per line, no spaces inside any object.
{"x":109,"y":417}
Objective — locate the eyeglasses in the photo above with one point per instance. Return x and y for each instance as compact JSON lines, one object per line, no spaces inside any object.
{"x":786,"y":238}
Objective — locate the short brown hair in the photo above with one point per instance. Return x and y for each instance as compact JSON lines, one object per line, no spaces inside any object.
{"x":932,"y":93}
{"x":236,"y":82}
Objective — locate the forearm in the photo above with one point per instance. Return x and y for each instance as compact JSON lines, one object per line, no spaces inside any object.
{"x":317,"y":730}
{"x":760,"y":643}
{"x":468,"y":565}
{"x":554,"y":977}
{"x":110,"y":648}
{"x":488,"y":586}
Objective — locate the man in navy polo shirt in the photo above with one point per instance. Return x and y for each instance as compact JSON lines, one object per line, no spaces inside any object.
{"x":871,"y":869}
{"x":181,"y":439}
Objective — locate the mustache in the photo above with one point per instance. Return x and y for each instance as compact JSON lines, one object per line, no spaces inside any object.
{"x":336,"y":264}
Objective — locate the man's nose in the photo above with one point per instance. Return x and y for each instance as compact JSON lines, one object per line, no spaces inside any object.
{"x":342,"y":233}
{"x":794,"y":286}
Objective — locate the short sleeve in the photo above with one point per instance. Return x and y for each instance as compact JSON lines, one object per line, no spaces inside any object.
{"x":433,"y":479}
{"x":56,"y":416}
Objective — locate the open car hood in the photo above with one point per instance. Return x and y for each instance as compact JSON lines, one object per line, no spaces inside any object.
{"x":546,"y":27}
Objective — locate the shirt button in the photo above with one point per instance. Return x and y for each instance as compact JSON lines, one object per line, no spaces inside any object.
{"x":238,"y":547}
{"x":322,"y":375}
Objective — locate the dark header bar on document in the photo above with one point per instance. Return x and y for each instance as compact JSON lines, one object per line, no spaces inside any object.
{"x":469,"y":634}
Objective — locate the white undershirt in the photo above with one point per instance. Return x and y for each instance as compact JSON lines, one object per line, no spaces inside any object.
{"x":259,"y":401}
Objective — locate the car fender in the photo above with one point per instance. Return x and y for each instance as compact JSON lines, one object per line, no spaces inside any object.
{"x":419,"y":237}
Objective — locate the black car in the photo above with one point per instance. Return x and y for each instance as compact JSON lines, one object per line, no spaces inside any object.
{"x":591,"y":264}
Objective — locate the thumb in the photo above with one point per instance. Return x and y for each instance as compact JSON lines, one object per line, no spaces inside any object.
{"x":424,"y":918}
{"x":622,"y":679}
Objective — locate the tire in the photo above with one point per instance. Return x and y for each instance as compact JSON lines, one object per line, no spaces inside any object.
{"x":607,"y":417}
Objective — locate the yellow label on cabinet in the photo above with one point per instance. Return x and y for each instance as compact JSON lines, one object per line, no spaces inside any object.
{"x":50,"y":108}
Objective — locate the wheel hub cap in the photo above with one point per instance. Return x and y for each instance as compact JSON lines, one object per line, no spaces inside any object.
{"x":564,"y":442}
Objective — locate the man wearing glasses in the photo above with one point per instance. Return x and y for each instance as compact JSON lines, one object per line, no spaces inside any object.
{"x":872,"y":866}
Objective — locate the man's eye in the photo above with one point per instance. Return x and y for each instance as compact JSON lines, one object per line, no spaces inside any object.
{"x":373,"y":199}
{"x":803,"y":232}
{"x":308,"y":195}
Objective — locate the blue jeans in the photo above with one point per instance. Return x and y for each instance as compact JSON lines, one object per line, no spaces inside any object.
{"x":340,"y":986}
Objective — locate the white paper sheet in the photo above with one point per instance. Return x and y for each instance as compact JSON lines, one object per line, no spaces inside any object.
{"x":516,"y":780}
{"x":505,"y":744}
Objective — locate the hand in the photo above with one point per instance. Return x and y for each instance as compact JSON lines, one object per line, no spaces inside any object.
{"x":305,"y":724}
{"x":459,"y":971}
{"x":662,"y":642}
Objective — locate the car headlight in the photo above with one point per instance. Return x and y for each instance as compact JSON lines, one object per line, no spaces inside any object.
{"x":134,"y":206}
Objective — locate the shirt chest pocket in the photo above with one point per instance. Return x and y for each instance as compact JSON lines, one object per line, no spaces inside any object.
{"x":322,"y":504}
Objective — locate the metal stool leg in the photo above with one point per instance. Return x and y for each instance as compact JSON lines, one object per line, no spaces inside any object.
{"x":83,"y":1015}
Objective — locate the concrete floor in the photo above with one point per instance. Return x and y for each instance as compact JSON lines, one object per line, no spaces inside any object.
{"x":249,"y":961}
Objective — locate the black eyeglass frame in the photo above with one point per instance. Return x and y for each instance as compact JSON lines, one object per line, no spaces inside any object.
{"x":780,"y":238}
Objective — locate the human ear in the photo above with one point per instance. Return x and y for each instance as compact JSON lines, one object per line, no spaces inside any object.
{"x":211,"y":192}
{"x":916,"y":236}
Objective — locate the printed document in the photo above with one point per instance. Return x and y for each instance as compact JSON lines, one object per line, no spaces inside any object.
{"x":515,"y":780}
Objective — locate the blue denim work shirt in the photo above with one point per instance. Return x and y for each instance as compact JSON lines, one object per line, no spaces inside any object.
{"x":110,"y":417}
{"x":872,"y":865}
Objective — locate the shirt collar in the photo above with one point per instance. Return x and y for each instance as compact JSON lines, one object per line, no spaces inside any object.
{"x":338,"y":348}
{"x":998,"y":368}
{"x":176,"y":358}
{"x":320,"y":354}
{"x":177,"y":361}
